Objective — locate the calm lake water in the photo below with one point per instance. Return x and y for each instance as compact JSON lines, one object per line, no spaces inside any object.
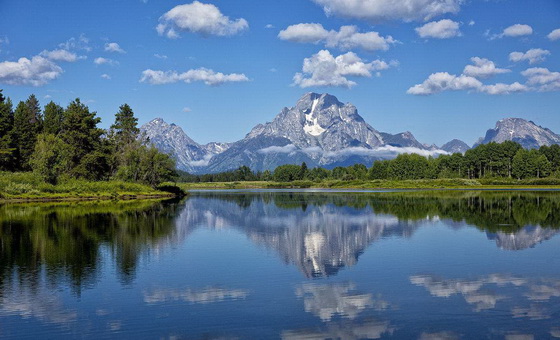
{"x":285,"y":265}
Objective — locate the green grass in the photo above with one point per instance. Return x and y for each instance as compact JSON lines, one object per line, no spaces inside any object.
{"x":29,"y":186}
{"x":454,"y":183}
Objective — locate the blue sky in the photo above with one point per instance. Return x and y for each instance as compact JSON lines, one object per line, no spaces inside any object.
{"x":217,"y":68}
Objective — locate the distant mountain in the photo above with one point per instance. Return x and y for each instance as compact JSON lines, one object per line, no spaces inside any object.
{"x":318,"y":130}
{"x":402,"y":140}
{"x":170,"y":138}
{"x":526,"y":133}
{"x":455,"y":146}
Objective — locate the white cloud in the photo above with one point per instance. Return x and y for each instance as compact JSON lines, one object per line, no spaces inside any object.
{"x":517,"y":30}
{"x":101,"y":61}
{"x":554,"y":35}
{"x":187,"y":109}
{"x":36,"y":71}
{"x":269,"y":26}
{"x":483,"y":68}
{"x":106,"y":76}
{"x":61,"y":55}
{"x":323,"y":69}
{"x":471,"y":23}
{"x":160,"y":56}
{"x":443,"y":81}
{"x":346,"y":38}
{"x":543,"y":78}
{"x":385,"y":10}
{"x":278,"y":149}
{"x":501,"y":88}
{"x":201,"y":162}
{"x":383,"y":151}
{"x":113,"y":47}
{"x":442,"y":29}
{"x":209,"y":77}
{"x":204,"y":19}
{"x":80,"y":43}
{"x":534,"y":55}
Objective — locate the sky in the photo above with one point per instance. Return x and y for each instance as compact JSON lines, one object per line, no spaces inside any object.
{"x":442,"y":69}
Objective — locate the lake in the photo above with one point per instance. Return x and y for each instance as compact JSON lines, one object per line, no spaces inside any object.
{"x":277,"y":264}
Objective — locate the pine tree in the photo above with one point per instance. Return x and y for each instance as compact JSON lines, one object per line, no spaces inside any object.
{"x":24,"y":135}
{"x":80,"y":132}
{"x":53,"y":117}
{"x":6,"y":139}
{"x":125,"y":127}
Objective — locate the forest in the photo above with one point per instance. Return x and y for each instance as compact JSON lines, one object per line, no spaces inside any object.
{"x":57,"y":144}
{"x":486,"y":161}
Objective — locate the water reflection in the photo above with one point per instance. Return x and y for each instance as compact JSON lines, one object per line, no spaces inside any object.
{"x":532,"y":297}
{"x":326,"y":301}
{"x":202,"y":296}
{"x":64,"y":241}
{"x":369,"y":329}
{"x":52,"y":256}
{"x":323,"y":233}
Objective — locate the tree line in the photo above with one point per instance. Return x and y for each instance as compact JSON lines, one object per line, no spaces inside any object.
{"x":493,"y":160}
{"x":57,"y":142}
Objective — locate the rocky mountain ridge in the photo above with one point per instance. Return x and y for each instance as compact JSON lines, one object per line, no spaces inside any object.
{"x":321,"y":131}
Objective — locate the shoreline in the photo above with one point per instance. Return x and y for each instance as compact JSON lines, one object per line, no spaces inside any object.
{"x":86,"y":197}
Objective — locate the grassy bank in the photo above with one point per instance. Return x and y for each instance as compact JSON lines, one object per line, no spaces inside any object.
{"x":459,"y":183}
{"x":30,"y":187}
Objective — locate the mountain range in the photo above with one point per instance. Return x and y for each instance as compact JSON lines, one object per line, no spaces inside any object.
{"x":321,"y":131}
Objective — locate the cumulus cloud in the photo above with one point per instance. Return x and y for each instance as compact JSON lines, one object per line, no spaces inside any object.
{"x":208,"y":76}
{"x":542,"y":78}
{"x":442,"y":29}
{"x":106,"y":76}
{"x":386,"y":10}
{"x":517,"y":30}
{"x":113,"y":47}
{"x":501,"y":88}
{"x":554,"y":35}
{"x":443,"y":81}
{"x":102,"y":61}
{"x":203,"y":19}
{"x":534,"y":55}
{"x":468,"y":81}
{"x":323,"y":69}
{"x":346,"y":38}
{"x":483,"y":68}
{"x":201,"y":162}
{"x":36,"y":71}
{"x":61,"y":55}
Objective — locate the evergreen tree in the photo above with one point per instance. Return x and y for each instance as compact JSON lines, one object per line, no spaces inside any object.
{"x":47,"y":160}
{"x":35,"y":112}
{"x":125,"y":127}
{"x":80,"y":131}
{"x":53,"y":117}
{"x":24,"y":134}
{"x":6,"y":139}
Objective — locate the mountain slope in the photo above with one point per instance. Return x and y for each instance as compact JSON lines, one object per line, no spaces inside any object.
{"x":526,"y":133}
{"x":319,"y":130}
{"x":455,"y":146}
{"x":169,"y":138}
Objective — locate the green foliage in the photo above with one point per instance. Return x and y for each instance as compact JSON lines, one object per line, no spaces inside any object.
{"x":25,"y":131}
{"x":47,"y":160}
{"x":408,"y":166}
{"x":7,"y":145}
{"x":53,"y":118}
{"x":80,"y":131}
{"x":530,"y":164}
{"x":287,"y":173}
{"x":125,"y":128}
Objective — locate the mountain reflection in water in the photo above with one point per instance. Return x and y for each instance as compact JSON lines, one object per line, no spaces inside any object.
{"x":110,"y":268}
